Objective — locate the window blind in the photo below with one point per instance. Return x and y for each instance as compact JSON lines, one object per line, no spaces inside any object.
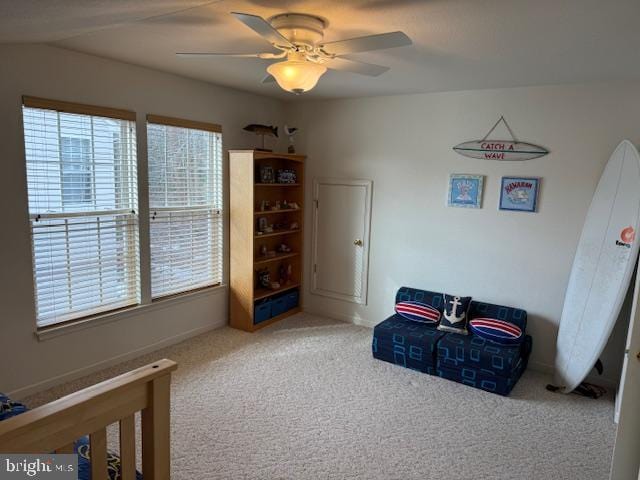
{"x":82,"y":187}
{"x":185,"y":203}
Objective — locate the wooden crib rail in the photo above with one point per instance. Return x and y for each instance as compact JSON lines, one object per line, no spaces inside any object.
{"x":57,"y":425}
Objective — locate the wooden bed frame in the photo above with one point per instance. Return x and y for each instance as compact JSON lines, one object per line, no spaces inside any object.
{"x":57,"y":425}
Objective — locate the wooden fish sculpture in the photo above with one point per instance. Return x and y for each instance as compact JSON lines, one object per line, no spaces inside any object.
{"x":259,"y":129}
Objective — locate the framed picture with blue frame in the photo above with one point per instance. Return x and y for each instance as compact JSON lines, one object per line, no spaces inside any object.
{"x":519,"y":194}
{"x":465,"y":190}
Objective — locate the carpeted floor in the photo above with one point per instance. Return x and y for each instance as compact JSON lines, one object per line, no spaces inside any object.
{"x":304,"y":399}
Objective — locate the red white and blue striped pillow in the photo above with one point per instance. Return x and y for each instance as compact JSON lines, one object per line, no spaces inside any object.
{"x":499,"y":331}
{"x":418,"y":312}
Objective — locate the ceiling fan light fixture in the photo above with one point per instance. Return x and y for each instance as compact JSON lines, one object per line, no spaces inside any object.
{"x":296,"y":74}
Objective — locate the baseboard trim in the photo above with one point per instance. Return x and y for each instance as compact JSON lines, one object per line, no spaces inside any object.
{"x":109,"y":362}
{"x":341,"y":317}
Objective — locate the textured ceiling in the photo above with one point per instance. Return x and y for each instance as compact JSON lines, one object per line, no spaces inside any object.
{"x":458,"y":44}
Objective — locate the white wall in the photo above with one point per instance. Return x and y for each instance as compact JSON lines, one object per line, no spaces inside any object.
{"x":404,"y":144}
{"x":29,"y":363}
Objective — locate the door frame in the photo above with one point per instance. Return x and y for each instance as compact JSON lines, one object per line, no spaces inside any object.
{"x":368,"y":185}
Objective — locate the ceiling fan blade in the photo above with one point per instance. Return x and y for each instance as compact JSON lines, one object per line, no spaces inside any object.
{"x":268,"y":79}
{"x":366,"y":44}
{"x":208,"y":54}
{"x":263,"y":28}
{"x":362,"y":68}
{"x":236,"y":55}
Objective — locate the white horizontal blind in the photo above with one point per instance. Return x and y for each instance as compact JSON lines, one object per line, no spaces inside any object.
{"x":82,"y":184}
{"x":185,"y":202}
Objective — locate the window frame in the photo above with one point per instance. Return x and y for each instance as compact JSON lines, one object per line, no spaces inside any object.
{"x":217,"y":213}
{"x":145,"y":301}
{"x":71,"y":212}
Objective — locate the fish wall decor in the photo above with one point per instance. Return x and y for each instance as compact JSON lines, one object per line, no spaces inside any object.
{"x":262,"y":131}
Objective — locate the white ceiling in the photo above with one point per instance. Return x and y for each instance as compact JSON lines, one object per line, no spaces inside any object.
{"x":458,"y":44}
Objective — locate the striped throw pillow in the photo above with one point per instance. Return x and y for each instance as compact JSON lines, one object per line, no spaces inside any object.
{"x":418,"y":312}
{"x":499,"y":331}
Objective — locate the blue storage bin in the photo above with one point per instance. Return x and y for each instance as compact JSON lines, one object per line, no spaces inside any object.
{"x":291,"y":299}
{"x":262,"y":311}
{"x":278,"y":306}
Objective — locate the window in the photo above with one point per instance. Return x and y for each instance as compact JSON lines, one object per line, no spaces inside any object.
{"x":75,"y":159}
{"x":185,"y":202}
{"x":82,"y":185}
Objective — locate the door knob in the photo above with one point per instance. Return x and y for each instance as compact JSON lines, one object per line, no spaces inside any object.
{"x":357,"y":242}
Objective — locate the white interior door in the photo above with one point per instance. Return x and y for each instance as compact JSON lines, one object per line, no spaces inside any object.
{"x":626,"y":453}
{"x":342,"y":215}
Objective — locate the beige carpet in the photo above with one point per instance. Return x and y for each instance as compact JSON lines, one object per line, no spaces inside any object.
{"x":304,"y":399}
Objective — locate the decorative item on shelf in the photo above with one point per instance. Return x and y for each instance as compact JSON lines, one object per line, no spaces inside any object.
{"x":266,"y":174}
{"x":275,"y":285}
{"x":290,"y":132}
{"x":262,"y":130}
{"x":284,"y":248}
{"x":264,"y":278}
{"x":287,"y":175}
{"x":519,"y":194}
{"x":282,"y":274}
{"x":288,"y":274}
{"x":465,"y":191}
{"x":263,"y":223}
{"x":293,"y":226}
{"x":277,"y":205}
{"x":265,"y":205}
{"x":271,"y":253}
{"x":504,"y":150}
{"x":293,"y":205}
{"x":263,"y":250}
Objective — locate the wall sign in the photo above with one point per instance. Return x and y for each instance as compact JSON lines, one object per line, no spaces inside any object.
{"x":465,"y":191}
{"x":505,"y":150}
{"x":519,"y":194}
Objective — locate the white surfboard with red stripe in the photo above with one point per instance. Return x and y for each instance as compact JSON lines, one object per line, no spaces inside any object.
{"x":602,"y":268}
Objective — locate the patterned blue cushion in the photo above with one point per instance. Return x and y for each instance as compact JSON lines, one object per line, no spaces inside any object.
{"x":83,"y":449}
{"x":457,"y":351}
{"x":9,"y":408}
{"x":456,"y":314}
{"x":476,"y":309}
{"x":407,"y":343}
{"x":486,"y":379}
{"x":408,"y":294}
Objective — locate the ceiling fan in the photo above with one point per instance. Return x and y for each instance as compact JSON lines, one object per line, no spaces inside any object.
{"x":299,"y":39}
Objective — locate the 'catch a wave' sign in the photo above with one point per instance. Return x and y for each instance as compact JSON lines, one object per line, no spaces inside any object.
{"x":506,"y":150}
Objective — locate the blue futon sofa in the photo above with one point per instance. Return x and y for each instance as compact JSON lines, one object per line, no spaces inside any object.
{"x":467,"y":359}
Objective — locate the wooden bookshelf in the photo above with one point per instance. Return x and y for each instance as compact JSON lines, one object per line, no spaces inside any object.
{"x":247,"y":194}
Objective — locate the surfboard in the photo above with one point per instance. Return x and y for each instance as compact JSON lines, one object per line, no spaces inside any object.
{"x":602,"y":268}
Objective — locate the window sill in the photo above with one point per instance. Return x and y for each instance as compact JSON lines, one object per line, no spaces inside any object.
{"x":89,"y":322}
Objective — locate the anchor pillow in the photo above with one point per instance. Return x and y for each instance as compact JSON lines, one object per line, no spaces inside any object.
{"x":455,"y":315}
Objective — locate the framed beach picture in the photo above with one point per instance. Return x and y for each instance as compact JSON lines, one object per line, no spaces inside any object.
{"x":519,"y":194}
{"x":465,"y":191}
